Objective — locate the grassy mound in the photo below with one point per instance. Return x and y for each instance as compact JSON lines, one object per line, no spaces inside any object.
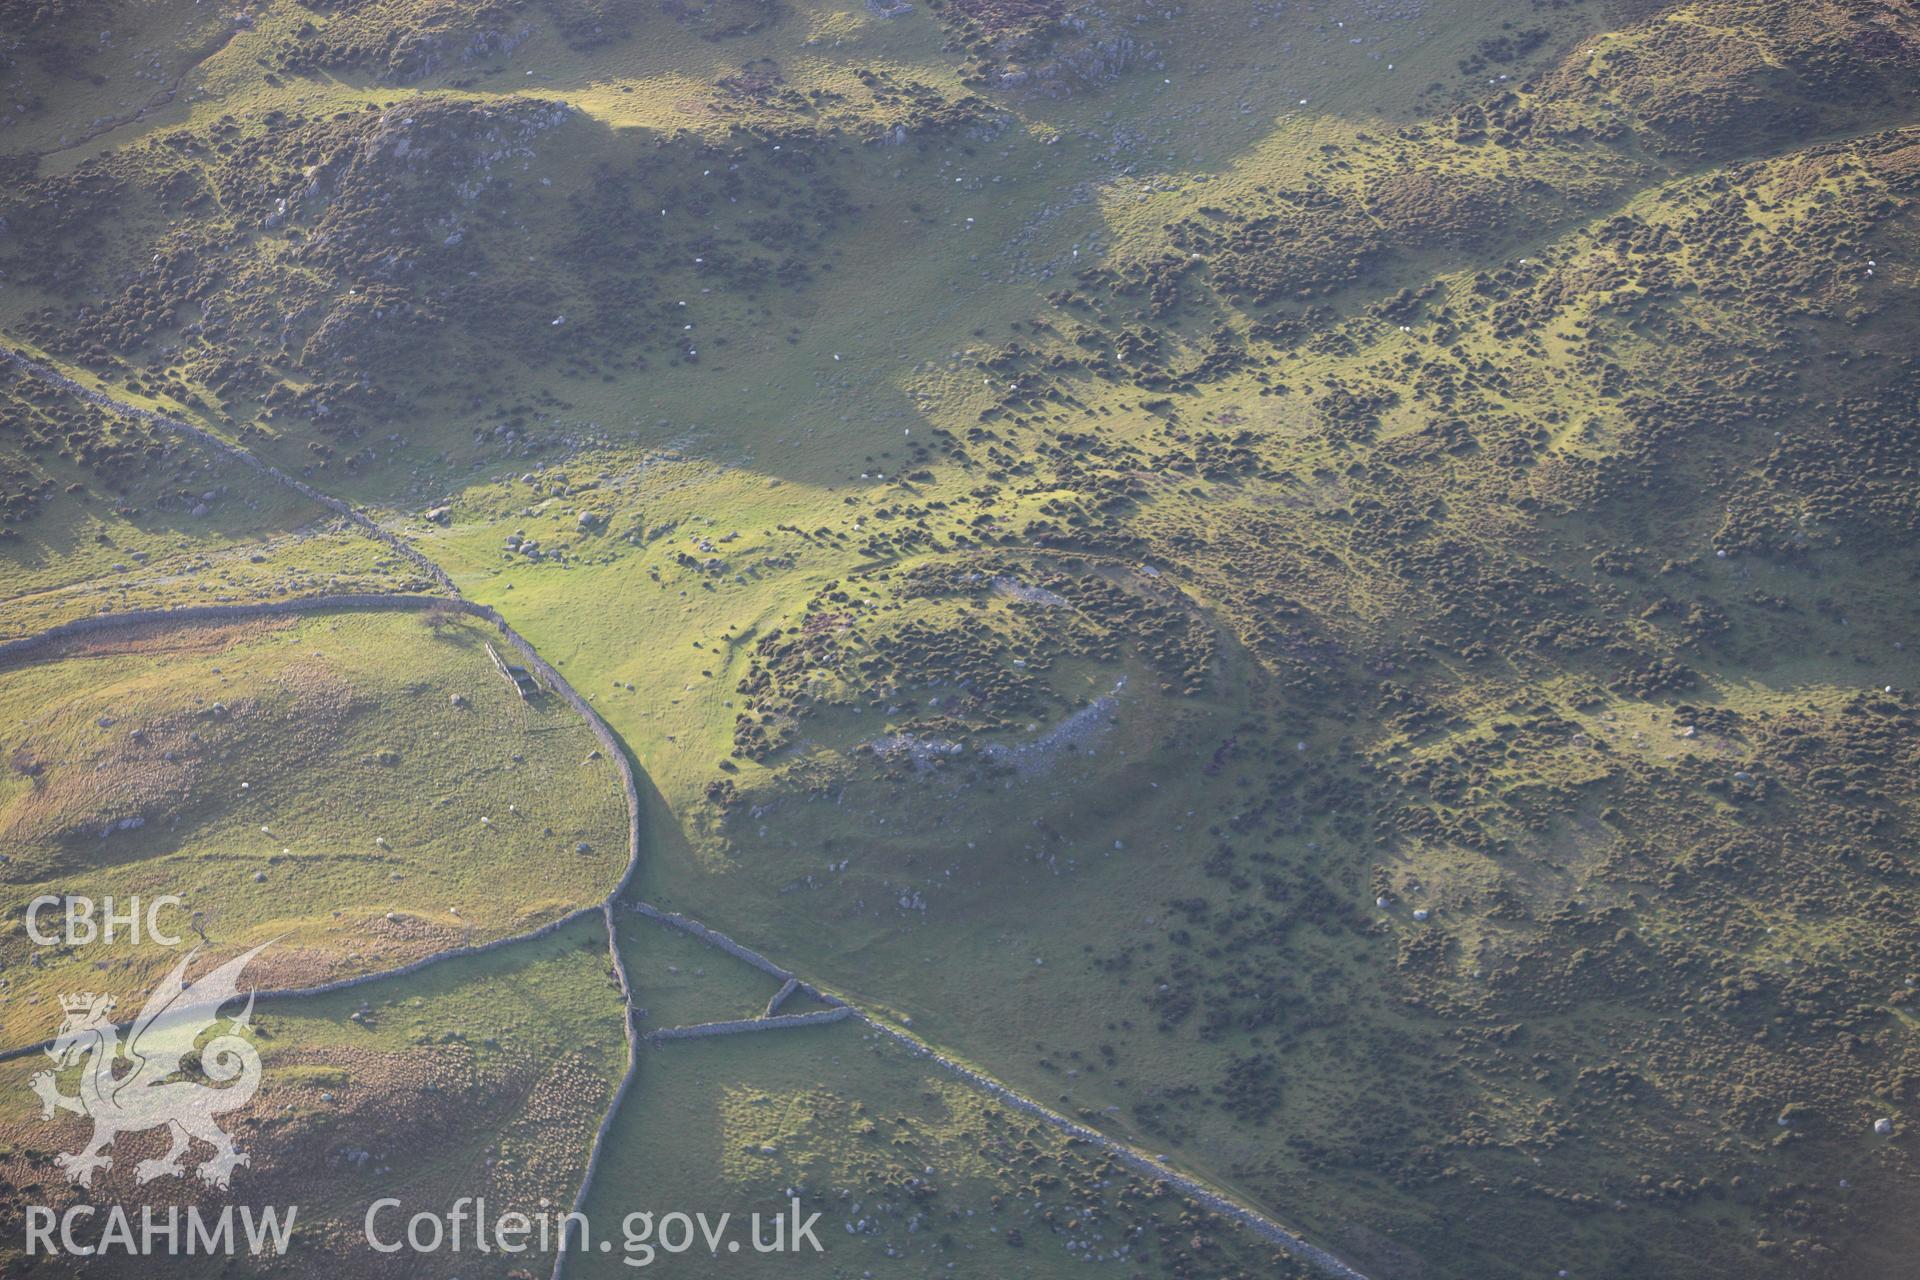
{"x":364,"y":787}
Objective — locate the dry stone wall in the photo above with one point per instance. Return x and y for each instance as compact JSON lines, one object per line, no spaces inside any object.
{"x":774,"y":1022}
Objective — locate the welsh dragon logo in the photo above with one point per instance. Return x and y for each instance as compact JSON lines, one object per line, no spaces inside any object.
{"x":138,"y":1086}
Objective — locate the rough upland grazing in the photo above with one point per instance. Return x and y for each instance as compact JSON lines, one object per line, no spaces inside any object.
{"x":1323,"y":590}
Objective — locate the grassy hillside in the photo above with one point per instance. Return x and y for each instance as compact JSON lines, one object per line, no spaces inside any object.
{"x":363,"y":788}
{"x":1328,"y":592}
{"x":104,"y":512}
{"x":480,"y":1077}
{"x":912,"y":1172}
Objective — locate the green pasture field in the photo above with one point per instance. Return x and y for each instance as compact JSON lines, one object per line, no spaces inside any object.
{"x":307,"y":779}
